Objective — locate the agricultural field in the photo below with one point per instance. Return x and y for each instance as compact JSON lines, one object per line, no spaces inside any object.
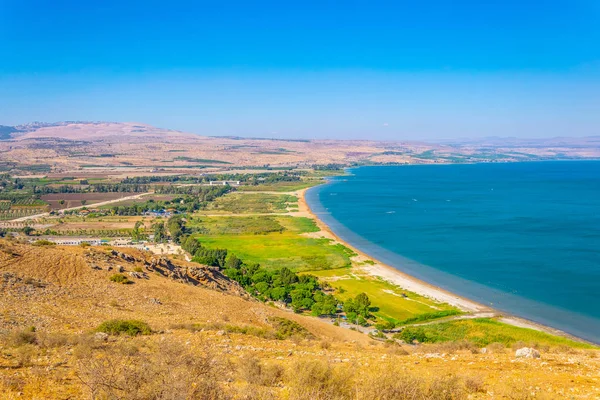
{"x":13,"y":207}
{"x":141,"y":200}
{"x":253,"y":203}
{"x":274,"y":242}
{"x":279,"y":186}
{"x":59,"y":201}
{"x":105,"y":226}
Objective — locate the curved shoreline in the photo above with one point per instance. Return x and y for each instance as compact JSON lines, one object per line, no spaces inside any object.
{"x":423,"y":288}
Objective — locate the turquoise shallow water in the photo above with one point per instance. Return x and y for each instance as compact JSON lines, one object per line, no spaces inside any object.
{"x":523,"y":237}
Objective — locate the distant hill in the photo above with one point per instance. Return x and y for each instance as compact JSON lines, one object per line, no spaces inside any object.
{"x":71,"y":145}
{"x":7,"y":131}
{"x":82,"y":130}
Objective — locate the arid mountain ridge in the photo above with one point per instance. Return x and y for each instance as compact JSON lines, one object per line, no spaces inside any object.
{"x":65,"y":146}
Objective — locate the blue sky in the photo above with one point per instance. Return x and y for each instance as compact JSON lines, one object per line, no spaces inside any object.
{"x":353,"y":69}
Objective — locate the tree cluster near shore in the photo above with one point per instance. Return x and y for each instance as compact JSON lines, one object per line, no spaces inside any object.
{"x":300,"y":292}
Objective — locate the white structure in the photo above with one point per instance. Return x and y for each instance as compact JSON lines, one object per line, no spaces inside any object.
{"x":75,"y":241}
{"x":224,"y":183}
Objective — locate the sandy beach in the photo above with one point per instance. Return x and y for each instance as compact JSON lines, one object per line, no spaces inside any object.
{"x":410,"y":283}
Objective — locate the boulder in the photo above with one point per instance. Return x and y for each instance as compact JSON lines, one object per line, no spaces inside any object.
{"x":527,"y":352}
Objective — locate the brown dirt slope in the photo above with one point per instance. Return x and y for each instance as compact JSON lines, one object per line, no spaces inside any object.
{"x":209,"y":342}
{"x":68,"y":289}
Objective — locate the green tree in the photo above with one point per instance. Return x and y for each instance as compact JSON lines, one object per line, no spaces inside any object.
{"x":357,"y":309}
{"x":363,"y":304}
{"x":262,"y":287}
{"x":176,"y":227}
{"x":160,"y":234}
{"x":231,"y":261}
{"x":287,"y":277}
{"x":410,"y":334}
{"x":278,"y":293}
{"x":136,"y":233}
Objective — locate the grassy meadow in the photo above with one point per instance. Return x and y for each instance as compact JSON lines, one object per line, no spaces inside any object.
{"x":272,"y":241}
{"x":391,"y":302}
{"x":253,"y":203}
{"x":485,"y":331}
{"x":280,"y":186}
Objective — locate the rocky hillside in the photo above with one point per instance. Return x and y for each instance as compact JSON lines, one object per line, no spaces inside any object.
{"x":54,"y":287}
{"x":99,"y":323}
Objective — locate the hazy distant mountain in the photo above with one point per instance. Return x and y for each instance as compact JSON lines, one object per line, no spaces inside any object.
{"x":70,"y":145}
{"x":7,"y":131}
{"x":81,"y":130}
{"x":496,"y":141}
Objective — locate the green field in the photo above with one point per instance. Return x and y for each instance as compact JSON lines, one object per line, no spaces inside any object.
{"x":280,"y":186}
{"x":253,"y":203}
{"x":484,"y":331}
{"x":254,"y":240}
{"x":389,"y":300}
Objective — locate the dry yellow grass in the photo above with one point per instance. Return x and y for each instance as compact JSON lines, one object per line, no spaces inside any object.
{"x":192,"y":355}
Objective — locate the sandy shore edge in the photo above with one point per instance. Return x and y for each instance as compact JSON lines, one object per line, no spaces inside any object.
{"x":410,"y":283}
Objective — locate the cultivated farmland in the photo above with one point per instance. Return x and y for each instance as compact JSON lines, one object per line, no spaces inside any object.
{"x":59,"y":201}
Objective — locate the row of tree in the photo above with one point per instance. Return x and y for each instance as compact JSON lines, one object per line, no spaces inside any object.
{"x":269,"y":177}
{"x":93,"y":188}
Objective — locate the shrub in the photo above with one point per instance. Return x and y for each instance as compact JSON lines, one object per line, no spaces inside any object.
{"x":410,"y":334}
{"x":318,"y":380}
{"x":120,"y":278}
{"x":51,"y":340}
{"x":395,"y":349}
{"x":22,"y":337}
{"x":385,"y":325}
{"x":496,"y":348}
{"x":255,"y":372}
{"x":128,"y":327}
{"x":285,"y":328}
{"x":44,"y":243}
{"x":228,"y":328}
{"x":378,"y":335}
{"x":24,"y":355}
{"x":325,"y":344}
{"x":448,"y":387}
{"x":138,"y":269}
{"x":169,"y":371}
{"x":474,"y":384}
{"x":386,"y":383}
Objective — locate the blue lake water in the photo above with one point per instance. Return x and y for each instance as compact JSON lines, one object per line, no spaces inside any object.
{"x":521,"y":237}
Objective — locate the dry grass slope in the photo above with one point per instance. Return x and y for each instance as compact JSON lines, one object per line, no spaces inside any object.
{"x":209,"y":342}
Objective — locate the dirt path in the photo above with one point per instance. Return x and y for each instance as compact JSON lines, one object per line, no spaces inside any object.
{"x":102,"y":203}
